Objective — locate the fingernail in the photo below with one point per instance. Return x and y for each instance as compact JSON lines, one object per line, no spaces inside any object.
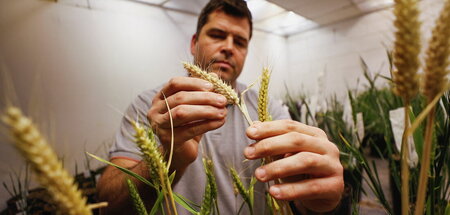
{"x":260,"y":173}
{"x":250,"y":151}
{"x":252,"y":131}
{"x":208,"y":86}
{"x":275,"y":191}
{"x":221,"y":99}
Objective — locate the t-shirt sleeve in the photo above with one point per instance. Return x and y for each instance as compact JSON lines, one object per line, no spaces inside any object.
{"x":123,"y":144}
{"x":278,"y":110}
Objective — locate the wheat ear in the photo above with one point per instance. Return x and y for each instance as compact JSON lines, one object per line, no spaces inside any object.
{"x":210,"y":194}
{"x":435,"y":81}
{"x":406,"y":48}
{"x":44,"y":162}
{"x":437,"y":55}
{"x":263,"y":97}
{"x":145,"y":140}
{"x":219,"y":86}
{"x":159,"y":171}
{"x":245,"y":194}
{"x":136,"y":198}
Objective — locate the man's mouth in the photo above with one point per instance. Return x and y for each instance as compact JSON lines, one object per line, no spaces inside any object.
{"x":223,"y":64}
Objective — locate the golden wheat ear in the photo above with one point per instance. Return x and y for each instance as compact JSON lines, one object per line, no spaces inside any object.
{"x":263,"y":96}
{"x":437,"y":55}
{"x":406,"y":49}
{"x":219,"y":86}
{"x":44,"y":162}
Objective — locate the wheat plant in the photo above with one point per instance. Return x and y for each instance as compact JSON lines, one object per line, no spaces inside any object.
{"x":435,"y":82}
{"x":405,"y":78}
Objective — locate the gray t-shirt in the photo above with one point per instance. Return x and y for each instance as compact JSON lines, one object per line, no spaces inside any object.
{"x":224,"y":145}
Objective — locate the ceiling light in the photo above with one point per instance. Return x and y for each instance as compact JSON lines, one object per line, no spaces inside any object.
{"x":262,"y":9}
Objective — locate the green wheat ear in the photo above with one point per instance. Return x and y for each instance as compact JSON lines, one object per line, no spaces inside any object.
{"x":136,"y":198}
{"x":210,"y":194}
{"x":145,"y":140}
{"x":246,"y":194}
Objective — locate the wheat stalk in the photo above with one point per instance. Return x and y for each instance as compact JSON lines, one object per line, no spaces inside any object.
{"x":44,"y":162}
{"x":136,"y":198}
{"x":405,"y":78}
{"x":435,"y":81}
{"x":159,"y":171}
{"x":264,"y":116}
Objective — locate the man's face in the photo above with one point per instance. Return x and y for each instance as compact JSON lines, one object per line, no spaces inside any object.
{"x":221,"y":46}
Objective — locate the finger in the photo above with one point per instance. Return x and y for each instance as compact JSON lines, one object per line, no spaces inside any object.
{"x":278,"y":127}
{"x":301,"y":163}
{"x":187,"y":114}
{"x":190,"y":131}
{"x":184,"y":84}
{"x":326,"y":189}
{"x":192,"y":98}
{"x":287,"y":143}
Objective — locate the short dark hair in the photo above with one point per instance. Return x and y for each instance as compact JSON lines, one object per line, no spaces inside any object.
{"x":237,"y":8}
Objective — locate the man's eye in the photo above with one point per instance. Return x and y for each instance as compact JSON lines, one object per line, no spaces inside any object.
{"x":240,"y":43}
{"x":217,"y":36}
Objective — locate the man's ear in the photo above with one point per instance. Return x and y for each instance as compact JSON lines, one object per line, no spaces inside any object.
{"x":194,"y":44}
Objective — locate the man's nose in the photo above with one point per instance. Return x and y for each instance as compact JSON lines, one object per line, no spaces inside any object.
{"x":228,"y":46}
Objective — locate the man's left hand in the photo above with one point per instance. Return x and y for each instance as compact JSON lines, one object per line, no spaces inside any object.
{"x":309,"y":165}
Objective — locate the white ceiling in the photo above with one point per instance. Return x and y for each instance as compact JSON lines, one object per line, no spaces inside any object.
{"x":287,"y":17}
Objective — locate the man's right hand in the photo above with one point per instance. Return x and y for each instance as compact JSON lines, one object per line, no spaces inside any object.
{"x":195,"y":110}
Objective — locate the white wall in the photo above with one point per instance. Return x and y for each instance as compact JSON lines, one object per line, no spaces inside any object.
{"x":334,"y":51}
{"x":75,"y":64}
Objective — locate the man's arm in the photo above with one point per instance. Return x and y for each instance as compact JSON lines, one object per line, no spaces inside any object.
{"x":305,"y":151}
{"x":113,"y":189}
{"x":195,"y":110}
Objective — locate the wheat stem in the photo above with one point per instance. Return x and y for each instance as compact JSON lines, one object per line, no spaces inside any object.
{"x":405,"y":164}
{"x":425,"y":165}
{"x":435,"y":81}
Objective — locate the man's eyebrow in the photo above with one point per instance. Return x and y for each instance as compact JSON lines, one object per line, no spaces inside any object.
{"x":218,"y":30}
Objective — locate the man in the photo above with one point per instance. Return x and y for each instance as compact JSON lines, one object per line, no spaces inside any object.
{"x":202,"y":117}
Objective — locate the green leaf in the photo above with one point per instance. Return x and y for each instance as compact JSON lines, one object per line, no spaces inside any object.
{"x":157,"y":204}
{"x":181,"y":201}
{"x":417,"y":135}
{"x":172,"y":177}
{"x":125,"y":170}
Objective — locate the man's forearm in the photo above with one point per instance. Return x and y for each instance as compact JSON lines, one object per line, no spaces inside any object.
{"x":112,"y":188}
